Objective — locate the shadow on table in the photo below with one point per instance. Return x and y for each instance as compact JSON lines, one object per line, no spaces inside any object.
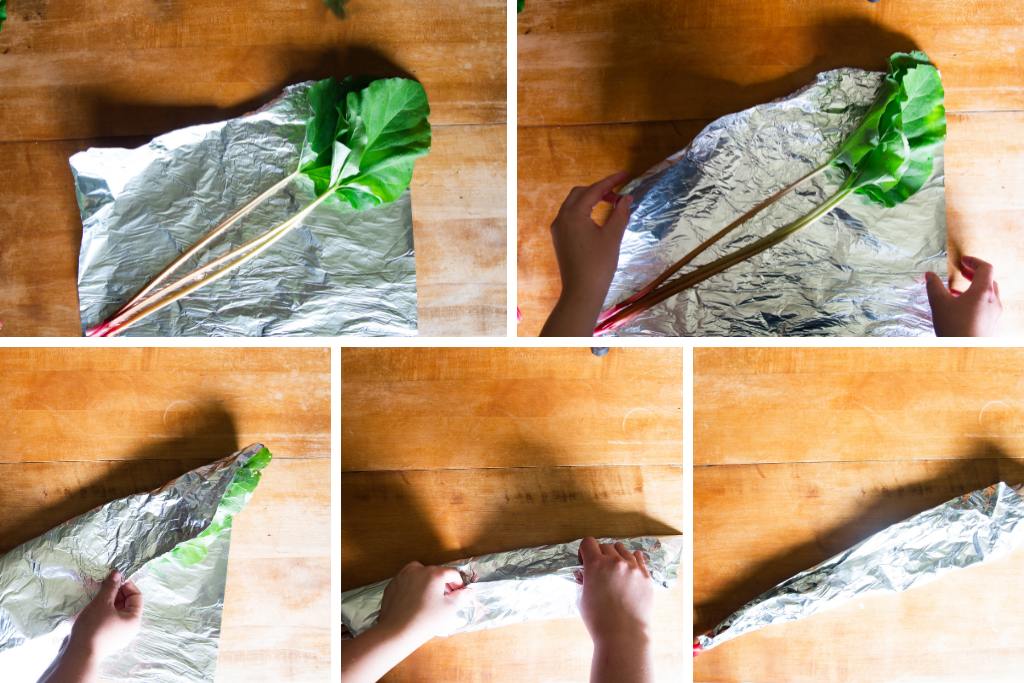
{"x":535,"y":506}
{"x":554,"y":503}
{"x":379,"y":514}
{"x":987,"y":465}
{"x":841,"y":42}
{"x":211,"y":436}
{"x":113,"y":115}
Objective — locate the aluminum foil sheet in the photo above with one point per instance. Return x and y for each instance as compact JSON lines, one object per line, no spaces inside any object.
{"x":976,"y":527}
{"x":859,"y":271}
{"x":343,"y":272}
{"x":520,"y":585}
{"x":151,"y":538}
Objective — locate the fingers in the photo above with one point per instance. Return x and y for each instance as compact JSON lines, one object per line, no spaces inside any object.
{"x":937,"y":292}
{"x":591,"y":195}
{"x":109,"y":588}
{"x":641,"y":562}
{"x":620,"y":549}
{"x":980,"y":273}
{"x":619,"y":218}
{"x":131,"y":597}
{"x":410,"y":567}
{"x":589,"y":550}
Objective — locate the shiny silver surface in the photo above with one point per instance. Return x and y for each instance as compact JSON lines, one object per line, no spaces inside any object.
{"x":342,"y":272}
{"x":859,"y":271}
{"x":520,"y":585}
{"x":974,"y":528}
{"x":46,"y":581}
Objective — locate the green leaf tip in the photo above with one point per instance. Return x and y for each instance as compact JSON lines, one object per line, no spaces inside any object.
{"x":891,"y":154}
{"x":336,"y":6}
{"x":363,"y":138}
{"x":3,"y":13}
{"x":239,"y":490}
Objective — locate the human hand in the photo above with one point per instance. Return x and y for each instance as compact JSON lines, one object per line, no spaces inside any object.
{"x":422,"y":602}
{"x":587,"y":255}
{"x":973,"y":313}
{"x":618,"y":594}
{"x":110,"y":621}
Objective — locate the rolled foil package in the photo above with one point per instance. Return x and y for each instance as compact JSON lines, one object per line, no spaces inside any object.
{"x":859,"y":271}
{"x":520,"y":585}
{"x":342,"y":272}
{"x":979,"y":526}
{"x":173,"y":542}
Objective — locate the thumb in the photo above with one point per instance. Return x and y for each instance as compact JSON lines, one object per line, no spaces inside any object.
{"x":937,"y":292}
{"x":615,"y":226}
{"x":109,"y":588}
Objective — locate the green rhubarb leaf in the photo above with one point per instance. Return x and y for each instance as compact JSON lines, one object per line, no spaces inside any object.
{"x":336,"y":6}
{"x":318,"y":147}
{"x":890,"y":156}
{"x":923,"y":114}
{"x":377,"y":131}
{"x":235,"y":497}
{"x":386,"y":130}
{"x":3,"y":13}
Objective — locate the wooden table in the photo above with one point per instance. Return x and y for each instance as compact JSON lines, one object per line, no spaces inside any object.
{"x":75,"y":75}
{"x":622,"y":84}
{"x":449,"y":453}
{"x":801,"y":453}
{"x":85,"y":426}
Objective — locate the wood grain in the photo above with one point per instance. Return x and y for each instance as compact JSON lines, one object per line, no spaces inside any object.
{"x":801,"y":405}
{"x":277,"y":607}
{"x":86,"y":70}
{"x":650,"y":60}
{"x":449,"y":453}
{"x":625,"y":84}
{"x":159,"y":404}
{"x":86,"y":426}
{"x":769,"y":503}
{"x":84,"y":75}
{"x":510,"y":408}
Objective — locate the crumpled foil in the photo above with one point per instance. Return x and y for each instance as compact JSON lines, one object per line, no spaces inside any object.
{"x":859,"y":271}
{"x":48,"y":580}
{"x":342,"y":272}
{"x":979,"y":526}
{"x":520,"y":585}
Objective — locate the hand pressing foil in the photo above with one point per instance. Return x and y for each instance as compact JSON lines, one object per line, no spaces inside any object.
{"x":520,"y":585}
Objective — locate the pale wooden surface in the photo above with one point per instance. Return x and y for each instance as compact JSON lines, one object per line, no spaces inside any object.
{"x":524,"y":447}
{"x":85,"y":426}
{"x":622,"y":84}
{"x":74,"y":75}
{"x":801,"y":453}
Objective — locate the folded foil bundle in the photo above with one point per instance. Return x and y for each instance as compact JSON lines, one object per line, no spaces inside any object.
{"x":520,"y":585}
{"x":173,"y":542}
{"x":341,"y":272}
{"x":859,"y":271}
{"x":979,"y":526}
